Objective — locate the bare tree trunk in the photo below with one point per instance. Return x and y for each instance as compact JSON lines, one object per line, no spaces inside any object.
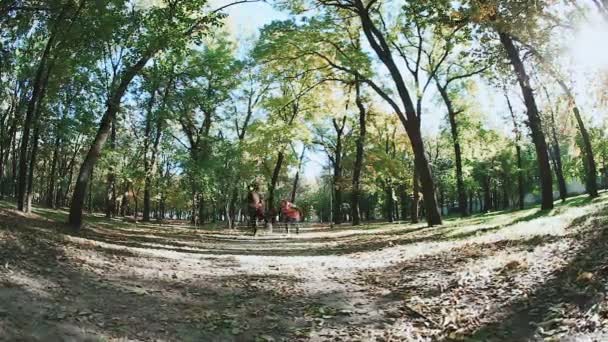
{"x":75,"y":218}
{"x":38,"y":90}
{"x":4,"y":151}
{"x":591,"y":167}
{"x":111,"y":179}
{"x":356,"y":194}
{"x":150,"y":160}
{"x":427,"y":184}
{"x":232,"y":207}
{"x":557,"y":166}
{"x":487,"y":196}
{"x":147,"y":199}
{"x":410,"y":118}
{"x":471,"y":202}
{"x":201,"y":209}
{"x":403,"y":199}
{"x":32,"y":168}
{"x":534,"y":122}
{"x":273,"y":184}
{"x":32,"y":115}
{"x":591,"y":181}
{"x":15,"y":162}
{"x":337,"y":161}
{"x":297,"y":176}
{"x":415,"y":197}
{"x":63,"y":196}
{"x":50,"y":193}
{"x":520,"y":171}
{"x":520,"y":178}
{"x":193,"y":220}
{"x":462,"y":196}
{"x":90,"y":206}
{"x":555,"y":150}
{"x":390,"y":204}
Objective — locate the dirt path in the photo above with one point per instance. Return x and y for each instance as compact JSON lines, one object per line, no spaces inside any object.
{"x":503,"y":276}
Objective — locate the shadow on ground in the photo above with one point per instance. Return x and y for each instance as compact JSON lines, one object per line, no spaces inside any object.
{"x":51,"y":297}
{"x":565,"y":288}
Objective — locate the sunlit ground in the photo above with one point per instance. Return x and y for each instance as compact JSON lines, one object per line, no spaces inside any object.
{"x":487,"y":277}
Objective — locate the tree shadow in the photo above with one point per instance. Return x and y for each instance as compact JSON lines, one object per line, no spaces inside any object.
{"x":190,"y":241}
{"x":521,"y":317}
{"x":578,"y":201}
{"x":532,"y":216}
{"x":397,"y":275}
{"x":73,"y":303}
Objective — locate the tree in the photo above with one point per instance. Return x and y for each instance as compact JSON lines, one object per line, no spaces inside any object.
{"x":334,"y":147}
{"x":453,"y":74}
{"x":520,"y":171}
{"x":384,"y":45}
{"x":175,"y":24}
{"x":357,"y":168}
{"x":502,"y":19}
{"x":64,"y":16}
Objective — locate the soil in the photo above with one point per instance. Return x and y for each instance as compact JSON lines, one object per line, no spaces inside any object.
{"x":502,"y":276}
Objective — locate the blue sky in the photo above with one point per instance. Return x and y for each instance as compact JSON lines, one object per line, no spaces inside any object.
{"x":244,"y":22}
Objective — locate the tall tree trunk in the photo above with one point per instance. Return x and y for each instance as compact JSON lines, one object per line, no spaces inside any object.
{"x":505,"y":192}
{"x":147,"y":199}
{"x":520,"y":178}
{"x":3,"y":148}
{"x":33,"y":109}
{"x":136,"y":207}
{"x":471,"y":202}
{"x":70,"y":172}
{"x":297,"y":177}
{"x":111,"y":179}
{"x":193,"y":206}
{"x":410,"y":118}
{"x":35,"y":102}
{"x":50,"y":192}
{"x":232,"y":207}
{"x":591,"y":167}
{"x":390,"y":204}
{"x":3,"y":153}
{"x":462,"y":196}
{"x":427,"y":184}
{"x":487,"y":196}
{"x":273,"y":184}
{"x":75,"y":218}
{"x":32,"y":168}
{"x":356,"y":182}
{"x":4,"y":179}
{"x":520,"y":170}
{"x":557,"y":165}
{"x":15,"y":162}
{"x":337,"y":161}
{"x":149,"y":160}
{"x":534,"y":122}
{"x":90,"y":206}
{"x":201,"y":209}
{"x":403,"y":198}
{"x":415,"y":197}
{"x":555,"y":151}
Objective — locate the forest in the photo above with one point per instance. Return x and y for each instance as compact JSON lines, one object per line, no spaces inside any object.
{"x":444,"y":162}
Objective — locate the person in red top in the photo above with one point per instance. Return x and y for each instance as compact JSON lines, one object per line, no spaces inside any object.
{"x":290,"y":214}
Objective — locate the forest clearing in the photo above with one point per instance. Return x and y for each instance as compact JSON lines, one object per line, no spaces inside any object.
{"x":502,"y":276}
{"x":303,"y":170}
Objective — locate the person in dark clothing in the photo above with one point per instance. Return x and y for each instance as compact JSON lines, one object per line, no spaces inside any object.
{"x":255,"y":206}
